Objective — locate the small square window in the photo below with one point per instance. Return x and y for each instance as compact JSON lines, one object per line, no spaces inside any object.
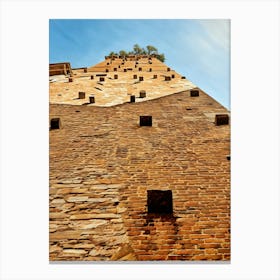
{"x":221,"y":119}
{"x":159,"y":202}
{"x":145,"y":120}
{"x":55,"y":123}
{"x":91,"y":99}
{"x":194,"y":93}
{"x":142,"y":94}
{"x":132,"y":99}
{"x":82,"y":95}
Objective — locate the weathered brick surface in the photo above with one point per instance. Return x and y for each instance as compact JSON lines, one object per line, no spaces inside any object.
{"x":111,"y":91}
{"x":102,"y":163}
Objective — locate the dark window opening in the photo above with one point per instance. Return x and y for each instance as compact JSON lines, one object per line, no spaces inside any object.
{"x":82,"y":95}
{"x":142,"y":94}
{"x":146,"y":121}
{"x":91,"y":99}
{"x":221,"y":119}
{"x":55,"y":123}
{"x":160,"y":202}
{"x":194,"y":93}
{"x":132,"y":98}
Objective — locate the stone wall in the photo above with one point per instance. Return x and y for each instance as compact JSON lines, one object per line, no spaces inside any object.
{"x":102,"y":163}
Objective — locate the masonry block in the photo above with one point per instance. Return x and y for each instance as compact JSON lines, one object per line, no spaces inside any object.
{"x":146,"y":121}
{"x":221,"y":119}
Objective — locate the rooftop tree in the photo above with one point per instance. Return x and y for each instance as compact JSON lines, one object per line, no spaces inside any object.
{"x":137,"y":50}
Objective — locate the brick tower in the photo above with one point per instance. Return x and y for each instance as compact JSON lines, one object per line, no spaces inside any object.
{"x":139,"y":165}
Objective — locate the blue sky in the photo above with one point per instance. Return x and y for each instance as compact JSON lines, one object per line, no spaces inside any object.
{"x":197,"y":49}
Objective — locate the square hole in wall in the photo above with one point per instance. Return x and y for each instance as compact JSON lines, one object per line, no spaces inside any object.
{"x":159,"y":202}
{"x":132,"y":99}
{"x":55,"y":123}
{"x":221,"y":119}
{"x":194,"y":93}
{"x":146,"y":120}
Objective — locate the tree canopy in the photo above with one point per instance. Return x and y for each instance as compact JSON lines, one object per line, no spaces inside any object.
{"x":137,"y":50}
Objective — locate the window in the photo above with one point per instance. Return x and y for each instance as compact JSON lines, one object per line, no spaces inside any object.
{"x":159,"y":202}
{"x":55,"y":123}
{"x":145,"y":120}
{"x":194,"y":93}
{"x":221,"y":119}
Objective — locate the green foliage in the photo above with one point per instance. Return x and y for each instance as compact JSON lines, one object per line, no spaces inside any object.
{"x":160,"y":57}
{"x":137,"y":50}
{"x":123,"y":53}
{"x":112,"y":54}
{"x":151,"y":50}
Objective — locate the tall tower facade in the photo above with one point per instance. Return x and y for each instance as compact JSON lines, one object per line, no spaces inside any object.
{"x":139,"y":165}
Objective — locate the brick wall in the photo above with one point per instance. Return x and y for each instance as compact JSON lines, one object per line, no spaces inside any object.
{"x":62,"y":68}
{"x":102,"y":163}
